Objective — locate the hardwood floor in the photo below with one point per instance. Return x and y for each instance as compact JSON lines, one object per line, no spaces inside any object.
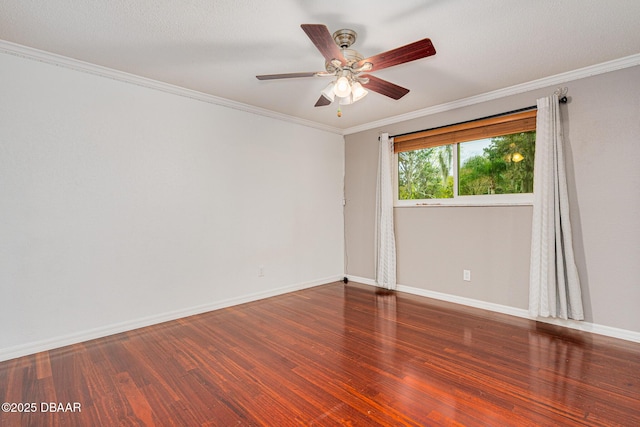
{"x":333,"y":355}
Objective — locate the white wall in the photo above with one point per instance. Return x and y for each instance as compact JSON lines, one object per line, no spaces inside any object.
{"x":122,"y":205}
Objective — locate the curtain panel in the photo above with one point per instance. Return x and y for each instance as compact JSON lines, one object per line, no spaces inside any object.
{"x":385,"y":237}
{"x":554,"y":286}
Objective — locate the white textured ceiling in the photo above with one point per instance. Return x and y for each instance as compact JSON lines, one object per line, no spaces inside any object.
{"x":218,"y":46}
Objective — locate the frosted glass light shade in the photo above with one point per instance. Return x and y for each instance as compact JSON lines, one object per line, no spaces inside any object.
{"x":347,"y":99}
{"x":328,"y":91}
{"x":358,"y":92}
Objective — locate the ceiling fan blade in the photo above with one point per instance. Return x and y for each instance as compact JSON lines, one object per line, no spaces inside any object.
{"x":411,"y":52}
{"x":289,"y":75}
{"x":320,"y":36}
{"x":384,"y":87}
{"x":322,"y":101}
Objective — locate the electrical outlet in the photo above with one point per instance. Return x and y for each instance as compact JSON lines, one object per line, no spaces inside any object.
{"x":261,"y":271}
{"x":466,"y":275}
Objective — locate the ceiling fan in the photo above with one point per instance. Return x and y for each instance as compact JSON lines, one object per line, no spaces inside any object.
{"x":351,"y":69}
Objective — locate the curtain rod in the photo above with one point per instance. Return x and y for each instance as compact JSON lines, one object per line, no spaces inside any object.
{"x":562,"y":99}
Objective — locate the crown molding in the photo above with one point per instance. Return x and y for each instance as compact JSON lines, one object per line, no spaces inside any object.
{"x":25,"y":52}
{"x":605,"y":67}
{"x":85,"y":67}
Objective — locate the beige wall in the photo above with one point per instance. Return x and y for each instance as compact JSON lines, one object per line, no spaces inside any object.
{"x":602,"y":129}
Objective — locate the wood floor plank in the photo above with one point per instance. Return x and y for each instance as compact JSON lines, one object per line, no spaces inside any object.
{"x":142,"y":412}
{"x":334,"y":355}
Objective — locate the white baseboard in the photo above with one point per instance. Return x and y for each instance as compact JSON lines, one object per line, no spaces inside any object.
{"x":64,"y":340}
{"x":61,"y":341}
{"x":513,"y":311}
{"x":361,"y":280}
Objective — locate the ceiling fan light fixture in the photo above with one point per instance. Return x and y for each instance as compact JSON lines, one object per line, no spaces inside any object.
{"x":342,"y":87}
{"x":358,"y":92}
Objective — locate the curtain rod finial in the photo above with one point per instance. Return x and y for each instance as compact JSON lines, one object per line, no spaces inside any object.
{"x":562,"y":94}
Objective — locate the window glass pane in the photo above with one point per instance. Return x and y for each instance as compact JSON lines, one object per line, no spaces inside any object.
{"x":500,"y":165}
{"x":426,"y":173}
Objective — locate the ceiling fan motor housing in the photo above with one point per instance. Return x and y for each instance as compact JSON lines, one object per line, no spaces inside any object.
{"x":344,"y":39}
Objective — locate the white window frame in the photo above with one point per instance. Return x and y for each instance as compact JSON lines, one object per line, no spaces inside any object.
{"x":457,"y":200}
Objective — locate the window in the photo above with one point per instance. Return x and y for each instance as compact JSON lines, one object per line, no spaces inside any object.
{"x":488,"y":161}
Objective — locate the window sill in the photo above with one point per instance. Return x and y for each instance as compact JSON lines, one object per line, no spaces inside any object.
{"x":496,"y":200}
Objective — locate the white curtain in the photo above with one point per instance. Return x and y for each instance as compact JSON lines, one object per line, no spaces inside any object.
{"x":554,"y":286}
{"x":385,"y":239}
